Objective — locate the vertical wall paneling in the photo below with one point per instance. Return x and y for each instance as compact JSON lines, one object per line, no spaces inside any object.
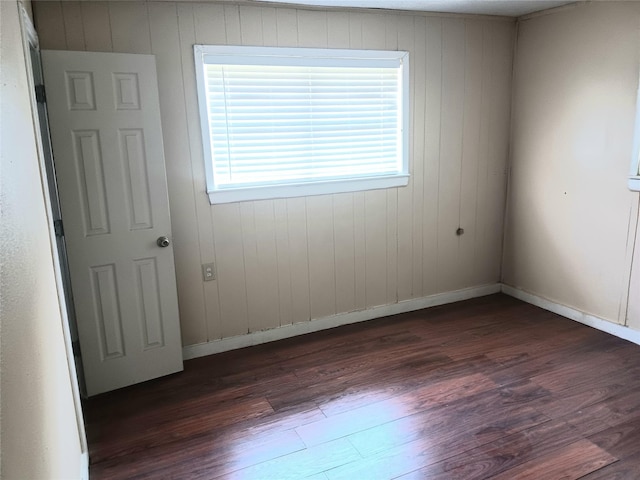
{"x":283,"y":263}
{"x":269,"y":27}
{"x":419,"y":71}
{"x":258,"y":242}
{"x":392,"y":246}
{"x":192,"y":31}
{"x":344,"y":252}
{"x":321,"y":256}
{"x":232,"y":24}
{"x":251,"y":26}
{"x":375,"y":200}
{"x":453,"y":56}
{"x":483,"y":156}
{"x":49,"y":21}
{"x":73,"y":25}
{"x":287,"y":27}
{"x":312,"y":29}
{"x":376,"y":248}
{"x":130,"y":31}
{"x":230,"y":270}
{"x":209,"y":25}
{"x":359,"y":210}
{"x":167,"y":24}
{"x":338,"y":32}
{"x":391,"y":43}
{"x":502,"y":45}
{"x":405,"y":195}
{"x":487,"y":159}
{"x":472,"y":119}
{"x":373,"y":26}
{"x":286,"y":261}
{"x":298,"y":259}
{"x":267,"y":270}
{"x":432,"y":134}
{"x":359,"y":241}
{"x":355,"y":30}
{"x":97,"y":29}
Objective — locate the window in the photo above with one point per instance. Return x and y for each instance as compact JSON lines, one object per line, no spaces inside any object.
{"x":286,"y":122}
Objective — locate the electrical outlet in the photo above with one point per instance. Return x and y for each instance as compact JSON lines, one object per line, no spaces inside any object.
{"x":208,"y":272}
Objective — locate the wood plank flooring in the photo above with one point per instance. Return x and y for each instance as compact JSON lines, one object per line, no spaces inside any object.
{"x":487,"y":388}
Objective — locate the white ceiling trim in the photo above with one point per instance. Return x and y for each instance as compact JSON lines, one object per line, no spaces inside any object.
{"x":508,"y":8}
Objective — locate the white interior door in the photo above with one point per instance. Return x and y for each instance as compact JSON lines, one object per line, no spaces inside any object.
{"x":107,"y":145}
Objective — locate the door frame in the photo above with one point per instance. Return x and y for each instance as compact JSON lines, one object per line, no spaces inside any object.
{"x":30,"y":43}
{"x":56,"y":211}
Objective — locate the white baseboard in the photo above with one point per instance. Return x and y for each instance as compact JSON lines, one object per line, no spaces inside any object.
{"x":84,"y":466}
{"x":256,"y":338}
{"x":620,"y":331}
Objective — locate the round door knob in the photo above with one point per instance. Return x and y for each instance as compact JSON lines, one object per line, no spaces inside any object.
{"x":163,"y":241}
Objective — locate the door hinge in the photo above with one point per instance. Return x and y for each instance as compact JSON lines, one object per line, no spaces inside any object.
{"x":58,"y":228}
{"x":41,"y":96}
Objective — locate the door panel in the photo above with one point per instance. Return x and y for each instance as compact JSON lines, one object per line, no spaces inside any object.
{"x":108,"y":152}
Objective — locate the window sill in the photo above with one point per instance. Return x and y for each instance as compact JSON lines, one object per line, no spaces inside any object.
{"x":306,"y":189}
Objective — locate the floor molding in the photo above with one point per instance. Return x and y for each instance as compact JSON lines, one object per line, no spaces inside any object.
{"x":84,"y":466}
{"x":620,"y":331}
{"x":256,"y":338}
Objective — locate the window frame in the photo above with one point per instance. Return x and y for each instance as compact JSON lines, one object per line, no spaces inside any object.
{"x":634,"y":172}
{"x":304,"y":188}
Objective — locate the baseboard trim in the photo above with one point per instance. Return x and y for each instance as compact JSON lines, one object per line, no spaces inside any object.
{"x":620,"y":331}
{"x":264,"y":336}
{"x":84,"y":466}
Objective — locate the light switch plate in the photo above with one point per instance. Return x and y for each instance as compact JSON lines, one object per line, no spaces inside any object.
{"x":208,"y":272}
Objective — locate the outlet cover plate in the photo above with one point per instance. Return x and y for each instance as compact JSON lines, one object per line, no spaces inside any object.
{"x":208,"y":272}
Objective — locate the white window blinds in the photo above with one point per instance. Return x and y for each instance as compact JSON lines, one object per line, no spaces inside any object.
{"x":297,"y":117}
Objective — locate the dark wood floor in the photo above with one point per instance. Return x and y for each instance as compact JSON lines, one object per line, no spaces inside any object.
{"x":487,"y":388}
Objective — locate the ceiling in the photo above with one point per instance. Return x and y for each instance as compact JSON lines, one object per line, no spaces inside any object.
{"x":510,"y":8}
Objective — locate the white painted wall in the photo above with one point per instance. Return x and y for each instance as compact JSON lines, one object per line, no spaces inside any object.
{"x":287,"y":261}
{"x":571,"y":220}
{"x":39,"y":435}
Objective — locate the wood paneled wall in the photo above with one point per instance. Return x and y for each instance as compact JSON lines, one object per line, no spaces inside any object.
{"x":291,"y":260}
